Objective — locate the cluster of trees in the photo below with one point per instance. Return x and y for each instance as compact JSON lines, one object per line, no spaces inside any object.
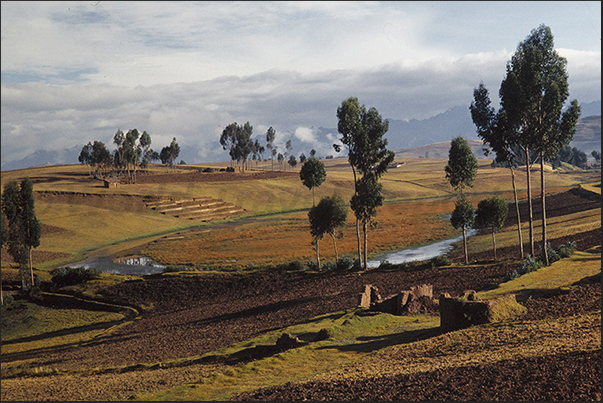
{"x":531,"y":119}
{"x":362,"y":133}
{"x":21,"y":230}
{"x":242,"y":148}
{"x":461,"y":171}
{"x":133,"y":151}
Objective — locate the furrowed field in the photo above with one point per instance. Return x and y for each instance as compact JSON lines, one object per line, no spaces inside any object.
{"x":187,"y":334}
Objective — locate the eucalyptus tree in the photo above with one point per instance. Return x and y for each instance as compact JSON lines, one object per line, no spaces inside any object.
{"x":328,"y":217}
{"x":270,"y":134}
{"x":491,"y":213}
{"x":312,"y":174}
{"x":461,"y":168}
{"x":363,"y":133}
{"x":85,"y":157}
{"x":237,"y":138}
{"x":495,"y":132}
{"x":23,"y":230}
{"x":461,"y":171}
{"x":463,"y":217}
{"x":169,"y":154}
{"x":533,"y":95}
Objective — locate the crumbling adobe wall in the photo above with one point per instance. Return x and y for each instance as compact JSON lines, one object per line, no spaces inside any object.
{"x":419,"y":299}
{"x":469,"y":310}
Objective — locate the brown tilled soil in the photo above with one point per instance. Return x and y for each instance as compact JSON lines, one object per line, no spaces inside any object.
{"x":202,"y":313}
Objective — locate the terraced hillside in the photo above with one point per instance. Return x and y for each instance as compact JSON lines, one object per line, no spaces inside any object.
{"x":196,"y":208}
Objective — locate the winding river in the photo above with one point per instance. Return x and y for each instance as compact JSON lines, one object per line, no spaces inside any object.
{"x":141,"y":266}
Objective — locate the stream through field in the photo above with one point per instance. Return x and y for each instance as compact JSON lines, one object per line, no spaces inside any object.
{"x":420,"y":253}
{"x":141,"y":265}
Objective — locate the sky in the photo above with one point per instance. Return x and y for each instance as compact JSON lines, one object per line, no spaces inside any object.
{"x":78,"y":71}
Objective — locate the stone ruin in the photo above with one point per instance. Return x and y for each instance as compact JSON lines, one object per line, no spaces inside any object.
{"x":419,"y":299}
{"x":455,"y":313}
{"x":469,"y":310}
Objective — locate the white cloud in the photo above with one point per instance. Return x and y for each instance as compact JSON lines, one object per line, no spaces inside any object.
{"x":305,"y":134}
{"x":74,"y":71}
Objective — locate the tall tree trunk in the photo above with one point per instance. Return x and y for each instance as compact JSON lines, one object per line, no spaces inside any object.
{"x":317,"y":253}
{"x":31,"y":266}
{"x":335,"y":246}
{"x":465,"y":245}
{"x":530,"y":216}
{"x":357,"y":221}
{"x":542,"y":201}
{"x":364,"y":224}
{"x":516,"y":208}
{"x":494,"y":242}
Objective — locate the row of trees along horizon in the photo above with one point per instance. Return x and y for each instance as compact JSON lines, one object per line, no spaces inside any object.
{"x":530,"y":121}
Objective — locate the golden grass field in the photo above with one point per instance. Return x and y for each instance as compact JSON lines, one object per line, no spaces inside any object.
{"x":80,"y":218}
{"x":113,"y":221}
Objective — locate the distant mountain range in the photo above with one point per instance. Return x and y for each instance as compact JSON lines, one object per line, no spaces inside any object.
{"x":402,"y":134}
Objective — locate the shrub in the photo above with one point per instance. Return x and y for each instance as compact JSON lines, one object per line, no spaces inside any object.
{"x":357,"y":265}
{"x":439,"y":261}
{"x":290,"y":266}
{"x":172,"y":268}
{"x":329,"y":266}
{"x":567,"y":250}
{"x":71,"y":276}
{"x":312,"y":265}
{"x":551,"y":253}
{"x":344,"y":263}
{"x":207,"y":170}
{"x":529,"y":265}
{"x":385,"y":265}
{"x":7,"y":300}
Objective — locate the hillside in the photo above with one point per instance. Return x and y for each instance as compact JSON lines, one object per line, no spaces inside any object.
{"x":440,"y":150}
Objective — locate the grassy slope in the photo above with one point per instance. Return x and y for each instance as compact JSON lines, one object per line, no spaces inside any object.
{"x":79,"y":228}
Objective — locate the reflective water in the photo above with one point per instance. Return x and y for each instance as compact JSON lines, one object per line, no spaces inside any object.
{"x":138,"y":266}
{"x":420,"y":253}
{"x":141,"y":266}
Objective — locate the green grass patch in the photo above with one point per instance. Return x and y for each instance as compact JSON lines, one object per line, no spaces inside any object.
{"x":352,"y":336}
{"x":562,"y":273}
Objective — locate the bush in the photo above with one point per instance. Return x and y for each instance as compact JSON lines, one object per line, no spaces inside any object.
{"x":290,"y":266}
{"x":344,"y":263}
{"x":207,"y":170}
{"x":312,"y":265}
{"x":439,"y":261}
{"x":7,"y":300}
{"x":72,"y":276}
{"x":385,"y":265}
{"x":567,"y":250}
{"x":329,"y":266}
{"x":175,"y":268}
{"x":551,"y":253}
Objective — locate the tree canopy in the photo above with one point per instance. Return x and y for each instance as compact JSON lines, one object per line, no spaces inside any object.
{"x":491,"y":213}
{"x":363,"y":133}
{"x":312,"y":174}
{"x":461,"y":169}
